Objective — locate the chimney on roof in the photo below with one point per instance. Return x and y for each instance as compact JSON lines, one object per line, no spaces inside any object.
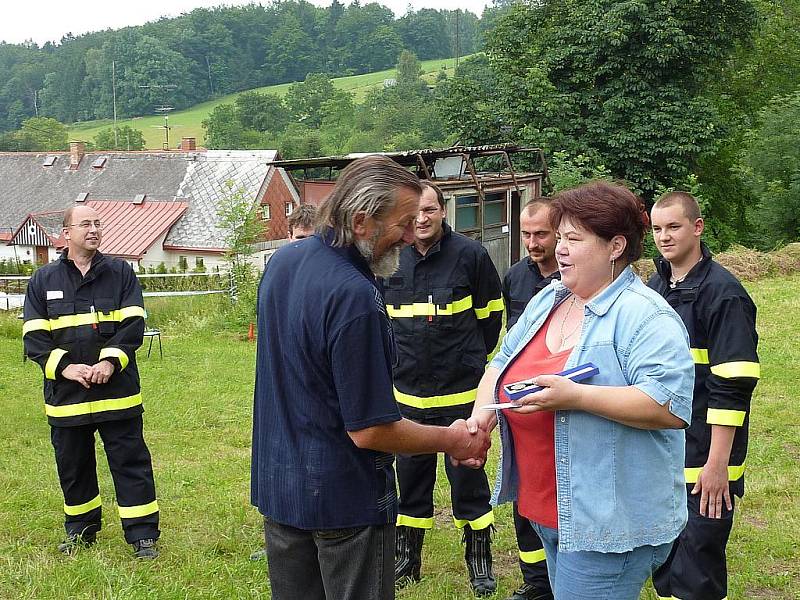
{"x":188,"y":144}
{"x":76,"y":152}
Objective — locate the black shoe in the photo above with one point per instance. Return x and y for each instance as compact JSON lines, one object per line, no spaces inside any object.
{"x":478,"y":556}
{"x":74,"y":541}
{"x":145,"y":548}
{"x":407,"y":555}
{"x":531,"y":592}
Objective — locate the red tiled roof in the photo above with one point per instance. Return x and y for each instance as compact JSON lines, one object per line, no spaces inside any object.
{"x":6,"y":237}
{"x":130,"y":229}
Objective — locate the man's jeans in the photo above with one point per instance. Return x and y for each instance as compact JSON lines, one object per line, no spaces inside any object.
{"x":333,"y":564}
{"x":587,"y":575}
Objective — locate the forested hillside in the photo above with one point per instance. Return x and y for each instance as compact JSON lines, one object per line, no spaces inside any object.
{"x":212,"y":52}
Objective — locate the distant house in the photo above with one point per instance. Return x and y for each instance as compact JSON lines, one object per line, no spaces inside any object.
{"x":485,"y":187}
{"x":157,"y":206}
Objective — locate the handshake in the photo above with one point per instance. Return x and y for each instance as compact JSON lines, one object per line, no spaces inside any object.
{"x":469,"y":444}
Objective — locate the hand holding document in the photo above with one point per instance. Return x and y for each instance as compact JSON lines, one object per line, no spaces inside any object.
{"x":519,"y":389}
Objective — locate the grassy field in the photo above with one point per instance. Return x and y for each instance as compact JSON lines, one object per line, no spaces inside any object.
{"x":197,"y":423}
{"x":187,"y":123}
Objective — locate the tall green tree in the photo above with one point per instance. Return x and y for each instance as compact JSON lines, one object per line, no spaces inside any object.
{"x":42,"y":133}
{"x":126,"y":138}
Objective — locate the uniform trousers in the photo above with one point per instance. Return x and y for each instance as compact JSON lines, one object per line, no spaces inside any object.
{"x":696,"y":568}
{"x":532,"y":559}
{"x":416,"y":478}
{"x":131,"y":469}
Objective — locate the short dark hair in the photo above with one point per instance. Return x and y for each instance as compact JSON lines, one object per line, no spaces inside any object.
{"x":367,"y":185}
{"x":425,"y":183}
{"x":607,"y":210}
{"x":302,"y":216}
{"x":691,"y":209}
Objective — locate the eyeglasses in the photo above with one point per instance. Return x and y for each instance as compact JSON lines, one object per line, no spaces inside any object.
{"x":87,"y":224}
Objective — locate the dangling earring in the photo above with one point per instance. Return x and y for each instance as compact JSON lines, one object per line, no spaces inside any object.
{"x":613,"y":264}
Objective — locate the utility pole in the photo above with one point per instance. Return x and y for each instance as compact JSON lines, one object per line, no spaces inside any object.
{"x":458,"y":49}
{"x":114,"y":96}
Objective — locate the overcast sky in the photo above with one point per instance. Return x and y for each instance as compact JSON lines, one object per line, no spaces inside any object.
{"x":49,"y":20}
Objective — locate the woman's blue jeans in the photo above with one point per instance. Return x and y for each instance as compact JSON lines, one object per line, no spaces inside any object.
{"x":588,"y":575}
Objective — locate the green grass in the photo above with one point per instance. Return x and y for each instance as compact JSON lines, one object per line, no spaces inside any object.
{"x":188,"y":122}
{"x":197,"y":422}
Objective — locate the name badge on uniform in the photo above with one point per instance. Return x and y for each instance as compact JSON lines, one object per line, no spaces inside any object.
{"x":55,"y":295}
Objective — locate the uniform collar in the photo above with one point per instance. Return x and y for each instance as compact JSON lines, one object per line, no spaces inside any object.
{"x":447,"y":232}
{"x":696,"y":274}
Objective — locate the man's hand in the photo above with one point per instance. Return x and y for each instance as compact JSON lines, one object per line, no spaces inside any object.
{"x":469,"y":447}
{"x":101,"y":372}
{"x":78,"y":372}
{"x":712,"y":485}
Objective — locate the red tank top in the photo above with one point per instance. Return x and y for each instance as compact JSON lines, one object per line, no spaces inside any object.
{"x":534,"y":434}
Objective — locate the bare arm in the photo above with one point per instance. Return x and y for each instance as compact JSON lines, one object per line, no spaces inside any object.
{"x":408,"y":437}
{"x":627,"y":405}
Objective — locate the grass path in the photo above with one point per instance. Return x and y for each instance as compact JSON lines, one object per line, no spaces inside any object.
{"x":197,"y":423}
{"x":188,"y":122}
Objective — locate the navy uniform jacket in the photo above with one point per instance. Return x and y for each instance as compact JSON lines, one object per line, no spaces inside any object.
{"x":446,"y":309}
{"x":721,"y":320}
{"x":522,"y":282}
{"x":70,"y":318}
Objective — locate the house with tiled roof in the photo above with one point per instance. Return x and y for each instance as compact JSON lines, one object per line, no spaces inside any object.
{"x":157,"y":206}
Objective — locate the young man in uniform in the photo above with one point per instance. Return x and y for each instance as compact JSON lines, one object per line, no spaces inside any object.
{"x":84,"y":320}
{"x":720,"y":318}
{"x":446,"y":307}
{"x":521,"y":283}
{"x":325,"y":421}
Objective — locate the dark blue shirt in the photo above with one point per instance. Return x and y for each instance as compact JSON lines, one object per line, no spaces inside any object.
{"x":323,"y":368}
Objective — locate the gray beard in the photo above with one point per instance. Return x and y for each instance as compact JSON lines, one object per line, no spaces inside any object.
{"x":386,"y":265}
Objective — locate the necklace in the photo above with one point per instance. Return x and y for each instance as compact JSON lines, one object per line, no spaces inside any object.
{"x":674,"y":281}
{"x":564,"y":320}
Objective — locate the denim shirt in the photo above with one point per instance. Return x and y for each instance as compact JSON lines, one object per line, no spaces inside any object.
{"x":618,"y":487}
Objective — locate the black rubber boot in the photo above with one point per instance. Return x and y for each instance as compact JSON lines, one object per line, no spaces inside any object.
{"x":531,"y":592}
{"x":75,"y":541}
{"x":408,"y":555}
{"x":478,"y":554}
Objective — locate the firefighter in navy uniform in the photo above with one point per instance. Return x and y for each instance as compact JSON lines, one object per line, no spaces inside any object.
{"x":446,"y":308}
{"x":720,"y":318}
{"x":83,"y":321}
{"x":522,"y":282}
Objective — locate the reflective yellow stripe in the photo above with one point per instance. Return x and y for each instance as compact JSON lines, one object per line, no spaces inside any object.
{"x":115,"y":353}
{"x":436,"y":401}
{"x":476,"y":524}
{"x":35,"y":325}
{"x":734,"y":473}
{"x":83,"y":508}
{"x":96,"y":406}
{"x":495,"y":305}
{"x":700,"y":355}
{"x":52,"y":362}
{"x":722,"y":416}
{"x":427,"y":309}
{"x":737,"y":369}
{"x":532,"y":557}
{"x":131,"y":512}
{"x":416,"y":522}
{"x":128,"y":312}
{"x":96,"y":317}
